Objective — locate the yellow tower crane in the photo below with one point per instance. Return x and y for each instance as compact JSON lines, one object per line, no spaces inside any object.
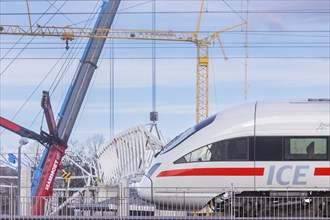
{"x":202,"y":74}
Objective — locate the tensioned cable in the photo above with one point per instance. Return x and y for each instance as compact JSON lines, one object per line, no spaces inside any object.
{"x":291,"y":11}
{"x":117,"y":13}
{"x":185,"y":48}
{"x":184,"y":58}
{"x":26,"y":44}
{"x":111,"y":58}
{"x":92,"y":17}
{"x":246,"y":45}
{"x":234,"y":11}
{"x":59,"y":77}
{"x":111,"y":112}
{"x":242,"y":20}
{"x":134,"y":6}
{"x":59,"y":10}
{"x":172,"y":0}
{"x":153,"y":45}
{"x":84,"y":104}
{"x":45,"y":13}
{"x":73,"y":55}
{"x":33,"y":121}
{"x":227,"y":0}
{"x":111,"y":82}
{"x":303,"y":43}
{"x":16,"y":59}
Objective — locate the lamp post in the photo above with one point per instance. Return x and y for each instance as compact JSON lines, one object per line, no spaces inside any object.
{"x":22,"y":141}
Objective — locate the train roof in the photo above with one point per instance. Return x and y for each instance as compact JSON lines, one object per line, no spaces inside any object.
{"x":301,"y":117}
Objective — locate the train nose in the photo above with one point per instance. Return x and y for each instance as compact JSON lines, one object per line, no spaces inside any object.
{"x":144,"y":189}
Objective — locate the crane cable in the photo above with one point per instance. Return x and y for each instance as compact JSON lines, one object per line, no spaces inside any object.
{"x":246,"y":52}
{"x":63,"y":69}
{"x":23,"y":105}
{"x":2,"y":72}
{"x":38,"y":86}
{"x":88,"y":93}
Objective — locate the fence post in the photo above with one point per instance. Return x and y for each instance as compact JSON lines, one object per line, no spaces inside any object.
{"x":231,"y":201}
{"x":11,"y":201}
{"x":123,"y":203}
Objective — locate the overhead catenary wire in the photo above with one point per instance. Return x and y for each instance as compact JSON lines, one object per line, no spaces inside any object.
{"x":40,"y":83}
{"x":246,"y":45}
{"x":235,"y":12}
{"x":183,"y":48}
{"x":1,"y":58}
{"x":305,"y":11}
{"x":70,"y":57}
{"x":175,"y":57}
{"x":170,"y":0}
{"x":179,"y":58}
{"x":153,"y":44}
{"x":30,"y":96}
{"x":166,"y":44}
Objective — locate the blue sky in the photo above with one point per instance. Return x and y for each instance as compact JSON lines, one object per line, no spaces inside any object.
{"x":288,"y":58}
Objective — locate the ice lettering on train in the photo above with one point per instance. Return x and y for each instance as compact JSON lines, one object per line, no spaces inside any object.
{"x":277,"y":174}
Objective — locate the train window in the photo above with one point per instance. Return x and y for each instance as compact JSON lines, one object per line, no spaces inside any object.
{"x":269,"y":148}
{"x":237,"y":149}
{"x":299,"y":148}
{"x":183,"y":136}
{"x":199,"y":155}
{"x":233,"y":149}
{"x":218,"y":151}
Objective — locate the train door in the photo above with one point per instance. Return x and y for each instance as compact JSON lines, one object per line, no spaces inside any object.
{"x":268,"y":155}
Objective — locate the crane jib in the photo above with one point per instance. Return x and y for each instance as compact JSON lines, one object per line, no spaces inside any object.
{"x":84,"y":74}
{"x":52,"y":175}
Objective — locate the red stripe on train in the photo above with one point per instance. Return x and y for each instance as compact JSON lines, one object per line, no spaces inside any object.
{"x":214,"y":172}
{"x":322,"y":171}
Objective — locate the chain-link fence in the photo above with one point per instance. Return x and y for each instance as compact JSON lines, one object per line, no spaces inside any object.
{"x":185,"y":203}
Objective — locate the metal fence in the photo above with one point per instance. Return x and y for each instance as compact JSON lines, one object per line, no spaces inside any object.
{"x":124,"y":202}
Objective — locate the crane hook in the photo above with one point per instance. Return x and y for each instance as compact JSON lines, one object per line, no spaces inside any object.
{"x":67,"y":38}
{"x":67,"y":45}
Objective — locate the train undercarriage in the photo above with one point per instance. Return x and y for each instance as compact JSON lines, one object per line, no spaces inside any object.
{"x":272,"y":204}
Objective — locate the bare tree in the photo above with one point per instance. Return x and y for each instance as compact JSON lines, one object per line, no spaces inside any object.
{"x":93,"y":144}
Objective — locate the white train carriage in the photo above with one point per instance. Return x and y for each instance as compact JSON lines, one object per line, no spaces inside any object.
{"x":269,"y":147}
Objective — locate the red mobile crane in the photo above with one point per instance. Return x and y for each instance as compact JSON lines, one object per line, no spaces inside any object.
{"x":56,"y":140}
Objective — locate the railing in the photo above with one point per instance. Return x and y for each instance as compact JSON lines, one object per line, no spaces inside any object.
{"x":166,"y":203}
{"x":130,"y":152}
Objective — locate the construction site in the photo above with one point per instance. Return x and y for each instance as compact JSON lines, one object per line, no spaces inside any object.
{"x":169,"y":109}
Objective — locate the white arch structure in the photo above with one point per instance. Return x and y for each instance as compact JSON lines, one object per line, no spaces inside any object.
{"x":129,"y":153}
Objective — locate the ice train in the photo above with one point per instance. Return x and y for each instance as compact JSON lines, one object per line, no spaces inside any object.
{"x":267,"y":147}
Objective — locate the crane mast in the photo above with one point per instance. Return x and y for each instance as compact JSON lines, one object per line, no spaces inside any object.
{"x":56,"y":141}
{"x":82,"y":79}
